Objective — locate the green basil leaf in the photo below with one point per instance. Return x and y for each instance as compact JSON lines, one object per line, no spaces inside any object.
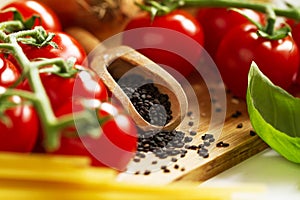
{"x":274,"y":114}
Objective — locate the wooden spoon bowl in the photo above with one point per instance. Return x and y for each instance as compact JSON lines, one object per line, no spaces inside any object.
{"x":113,"y":64}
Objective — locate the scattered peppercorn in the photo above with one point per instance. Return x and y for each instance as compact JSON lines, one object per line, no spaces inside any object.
{"x":222,"y":144}
{"x":141,"y":155}
{"x":206,"y":144}
{"x":218,"y":109}
{"x":252,"y":133}
{"x":147,"y":172}
{"x":163,"y":167}
{"x":204,"y":154}
{"x":211,"y":140}
{"x":183,"y":152}
{"x":193,"y":133}
{"x":236,"y":114}
{"x":193,"y":147}
{"x":219,"y":144}
{"x":154,"y":162}
{"x":190,"y":113}
{"x":188,"y":139}
{"x":191,"y":123}
{"x":207,"y":136}
{"x":225,"y":144}
{"x":240,"y":125}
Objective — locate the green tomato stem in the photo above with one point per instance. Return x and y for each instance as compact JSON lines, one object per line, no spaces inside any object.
{"x":38,"y":32}
{"x":42,"y":102}
{"x":22,"y":93}
{"x":48,"y":62}
{"x":70,"y":120}
{"x":270,"y":28}
{"x":39,"y":97}
{"x":15,"y":23}
{"x":292,"y":13}
{"x":6,"y":46}
{"x":44,"y":108}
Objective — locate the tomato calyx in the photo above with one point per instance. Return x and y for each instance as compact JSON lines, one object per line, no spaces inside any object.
{"x":268,"y":31}
{"x":158,"y":8}
{"x":37,"y":36}
{"x":41,"y":37}
{"x":27,"y":24}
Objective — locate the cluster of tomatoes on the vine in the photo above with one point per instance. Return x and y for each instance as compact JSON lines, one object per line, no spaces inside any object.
{"x":232,"y":42}
{"x":20,"y":129}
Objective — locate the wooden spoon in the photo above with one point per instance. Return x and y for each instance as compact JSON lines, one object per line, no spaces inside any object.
{"x":115,"y":63}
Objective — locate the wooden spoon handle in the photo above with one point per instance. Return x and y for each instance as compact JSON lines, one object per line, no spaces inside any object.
{"x":85,"y":38}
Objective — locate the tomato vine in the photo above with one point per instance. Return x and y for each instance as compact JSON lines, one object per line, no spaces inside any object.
{"x":50,"y":123}
{"x":165,"y":6}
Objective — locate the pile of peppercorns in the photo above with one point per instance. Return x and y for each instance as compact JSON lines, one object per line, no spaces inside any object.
{"x":164,"y":147}
{"x":152,"y":105}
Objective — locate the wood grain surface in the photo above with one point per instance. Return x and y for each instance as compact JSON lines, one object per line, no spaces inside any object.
{"x":236,"y":131}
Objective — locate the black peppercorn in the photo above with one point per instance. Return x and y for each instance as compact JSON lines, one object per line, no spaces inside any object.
{"x":152,"y":105}
{"x":240,"y":125}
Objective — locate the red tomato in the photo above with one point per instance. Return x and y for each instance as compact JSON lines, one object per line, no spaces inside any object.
{"x":83,"y":84}
{"x":163,"y":47}
{"x":296,"y":36}
{"x":216,"y":22}
{"x":278,"y":59}
{"x":9,"y":74}
{"x":114,"y":148}
{"x":21,"y":131}
{"x":27,"y":8}
{"x":67,"y":47}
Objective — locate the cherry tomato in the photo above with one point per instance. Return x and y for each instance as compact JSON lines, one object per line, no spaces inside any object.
{"x":296,"y":36}
{"x":9,"y":74}
{"x":163,"y":47}
{"x":67,"y":47}
{"x":278,"y":59}
{"x":114,"y":148}
{"x":84,"y":84}
{"x":216,"y":22}
{"x":20,"y":132}
{"x":27,"y":8}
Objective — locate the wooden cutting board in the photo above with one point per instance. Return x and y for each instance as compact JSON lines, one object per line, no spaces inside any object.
{"x":237,"y":132}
